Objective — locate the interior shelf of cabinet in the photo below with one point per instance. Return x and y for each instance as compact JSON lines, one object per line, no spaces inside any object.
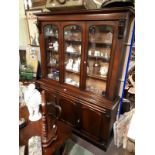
{"x":71,"y":71}
{"x":51,"y":50}
{"x":52,"y":37}
{"x":73,"y":53}
{"x":52,"y":66}
{"x":99,"y":77}
{"x":73,"y":41}
{"x":52,"y":78}
{"x":98,"y":57}
{"x":99,"y":43}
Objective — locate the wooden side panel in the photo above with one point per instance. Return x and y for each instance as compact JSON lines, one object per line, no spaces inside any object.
{"x":105,"y":133}
{"x":69,"y":111}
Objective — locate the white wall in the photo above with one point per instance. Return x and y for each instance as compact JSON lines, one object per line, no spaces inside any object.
{"x":23,"y":27}
{"x":122,"y":79}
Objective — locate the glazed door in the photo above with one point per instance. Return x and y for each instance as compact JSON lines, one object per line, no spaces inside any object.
{"x":99,"y":38}
{"x":51,"y":51}
{"x":72,"y":52}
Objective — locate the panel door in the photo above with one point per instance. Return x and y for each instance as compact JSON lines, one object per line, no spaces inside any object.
{"x":105,"y":129}
{"x":70,"y":113}
{"x":91,"y":121}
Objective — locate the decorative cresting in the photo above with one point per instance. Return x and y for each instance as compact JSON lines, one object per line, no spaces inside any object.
{"x":48,"y":136}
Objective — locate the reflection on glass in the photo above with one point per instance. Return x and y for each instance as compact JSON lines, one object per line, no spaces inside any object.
{"x":52,"y":51}
{"x":95,"y":86}
{"x":72,"y":46}
{"x":99,"y":49}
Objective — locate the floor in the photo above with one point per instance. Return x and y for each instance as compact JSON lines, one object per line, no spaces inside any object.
{"x":78,"y":146}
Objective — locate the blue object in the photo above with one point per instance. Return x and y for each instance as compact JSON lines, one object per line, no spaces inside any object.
{"x":126,"y":73}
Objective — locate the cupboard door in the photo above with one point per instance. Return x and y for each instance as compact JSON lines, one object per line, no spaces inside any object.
{"x":51,"y":49}
{"x":105,"y":129}
{"x":98,"y":54}
{"x":91,"y":122}
{"x":72,"y":50}
{"x":69,"y":111}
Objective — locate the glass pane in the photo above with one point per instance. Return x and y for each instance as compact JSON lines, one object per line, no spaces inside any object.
{"x":72,"y":46}
{"x":52,"y":51}
{"x":99,"y":50}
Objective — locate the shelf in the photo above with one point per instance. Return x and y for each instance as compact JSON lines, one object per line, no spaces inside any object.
{"x":99,"y":77}
{"x":73,"y":41}
{"x":108,"y":45}
{"x":98,"y":57}
{"x":71,"y":71}
{"x":73,"y":31}
{"x":52,"y":78}
{"x":52,"y":66}
{"x":73,"y":53}
{"x":51,"y":50}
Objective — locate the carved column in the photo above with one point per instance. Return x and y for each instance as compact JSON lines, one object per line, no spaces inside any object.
{"x":48,"y":136}
{"x":44,"y":118}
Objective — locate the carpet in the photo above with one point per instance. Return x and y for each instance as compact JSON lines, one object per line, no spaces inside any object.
{"x":73,"y":148}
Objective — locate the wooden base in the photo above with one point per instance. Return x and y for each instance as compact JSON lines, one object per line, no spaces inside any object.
{"x":46,"y":143}
{"x":52,"y":136}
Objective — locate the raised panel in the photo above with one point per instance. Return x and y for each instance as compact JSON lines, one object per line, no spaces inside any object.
{"x":91,"y":121}
{"x":69,"y":111}
{"x":105,"y":133}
